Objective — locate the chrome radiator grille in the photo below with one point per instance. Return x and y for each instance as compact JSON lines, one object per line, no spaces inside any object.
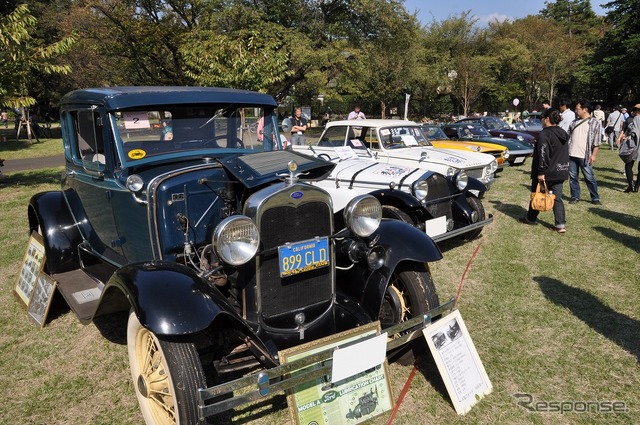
{"x":287,"y":223}
{"x":438,"y":202}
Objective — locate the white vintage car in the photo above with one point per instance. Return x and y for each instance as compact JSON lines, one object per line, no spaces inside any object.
{"x":399,"y":142}
{"x":441,"y":206}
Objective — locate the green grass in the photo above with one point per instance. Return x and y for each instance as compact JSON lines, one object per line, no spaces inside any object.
{"x":11,"y":148}
{"x":555,"y":316}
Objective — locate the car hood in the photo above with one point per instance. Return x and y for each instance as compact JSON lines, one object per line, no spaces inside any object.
{"x":373,"y":172}
{"x":447,"y":157}
{"x":264,"y":167}
{"x":512,"y":144}
{"x":481,"y":147}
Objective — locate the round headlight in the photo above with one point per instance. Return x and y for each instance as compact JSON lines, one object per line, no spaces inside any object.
{"x":462,"y":180}
{"x":450,"y":171}
{"x":134,"y":183}
{"x":236,"y":240}
{"x":363,"y":215}
{"x":421,"y":190}
{"x":521,"y":138}
{"x":492,"y":167}
{"x":506,"y":154}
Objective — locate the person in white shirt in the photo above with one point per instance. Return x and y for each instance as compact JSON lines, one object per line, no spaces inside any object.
{"x":568,"y":116}
{"x":615,"y":120}
{"x":356,"y":114}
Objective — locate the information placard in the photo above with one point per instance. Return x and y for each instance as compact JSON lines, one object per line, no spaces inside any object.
{"x":41,"y":298}
{"x":350,"y":401}
{"x":31,"y":266}
{"x":458,"y":362}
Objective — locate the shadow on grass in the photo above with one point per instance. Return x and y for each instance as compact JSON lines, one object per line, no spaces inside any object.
{"x":619,"y":328}
{"x":32,"y":178}
{"x":630,"y":221}
{"x":631,"y":242}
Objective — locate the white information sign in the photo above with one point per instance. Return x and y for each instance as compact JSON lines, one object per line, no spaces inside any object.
{"x":136,"y":120}
{"x":458,"y":361}
{"x":345,"y":152}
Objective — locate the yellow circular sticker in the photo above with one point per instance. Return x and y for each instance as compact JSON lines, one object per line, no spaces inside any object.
{"x":137,"y":154}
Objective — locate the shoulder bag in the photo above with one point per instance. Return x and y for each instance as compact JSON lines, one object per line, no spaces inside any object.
{"x":542,"y":201}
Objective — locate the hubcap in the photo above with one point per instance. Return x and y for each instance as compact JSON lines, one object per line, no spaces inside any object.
{"x":142,"y":387}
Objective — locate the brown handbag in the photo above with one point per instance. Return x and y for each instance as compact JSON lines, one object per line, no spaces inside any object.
{"x":542,"y":201}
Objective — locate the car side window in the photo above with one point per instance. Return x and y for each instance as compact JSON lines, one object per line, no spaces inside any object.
{"x":370,"y":138}
{"x":334,"y":136}
{"x":89,"y":141}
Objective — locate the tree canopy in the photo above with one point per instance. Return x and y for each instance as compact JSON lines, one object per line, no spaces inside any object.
{"x":321,"y":53}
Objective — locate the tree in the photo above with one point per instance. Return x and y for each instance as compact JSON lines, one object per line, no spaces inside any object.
{"x":386,"y":61}
{"x":613,"y":64}
{"x":576,"y":17}
{"x":21,"y":55}
{"x":544,"y":60}
{"x":463,"y":62}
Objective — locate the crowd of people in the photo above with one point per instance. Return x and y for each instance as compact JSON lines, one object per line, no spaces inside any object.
{"x":569,"y":143}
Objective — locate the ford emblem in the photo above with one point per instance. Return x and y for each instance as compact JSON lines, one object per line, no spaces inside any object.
{"x":296,"y":195}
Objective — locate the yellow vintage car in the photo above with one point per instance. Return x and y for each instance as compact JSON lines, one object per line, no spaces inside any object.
{"x":439,"y":140}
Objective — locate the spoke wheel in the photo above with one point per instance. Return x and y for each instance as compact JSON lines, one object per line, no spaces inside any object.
{"x":396,"y":214}
{"x":410,"y":293}
{"x":477,"y":206}
{"x":166,"y":376}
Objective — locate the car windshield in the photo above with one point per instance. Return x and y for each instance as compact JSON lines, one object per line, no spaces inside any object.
{"x":148,"y":132}
{"x":471,"y":131}
{"x":533,"y":120}
{"x":403,"y":137}
{"x":495,"y":124}
{"x":434,"y":132}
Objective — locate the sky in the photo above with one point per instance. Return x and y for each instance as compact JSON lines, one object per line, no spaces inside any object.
{"x":483,"y":10}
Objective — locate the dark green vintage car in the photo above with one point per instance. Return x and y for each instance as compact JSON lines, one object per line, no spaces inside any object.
{"x":176,"y":209}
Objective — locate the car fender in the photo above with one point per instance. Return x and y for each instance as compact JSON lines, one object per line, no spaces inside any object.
{"x":400,"y":242}
{"x":48,"y":211}
{"x":461,"y":201}
{"x":396,"y":198}
{"x":168,"y":298}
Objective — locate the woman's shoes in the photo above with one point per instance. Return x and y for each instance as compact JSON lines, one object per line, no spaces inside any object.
{"x":629,"y":189}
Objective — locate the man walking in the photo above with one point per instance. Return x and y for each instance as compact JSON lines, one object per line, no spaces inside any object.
{"x":585,"y":138}
{"x":614,"y":125}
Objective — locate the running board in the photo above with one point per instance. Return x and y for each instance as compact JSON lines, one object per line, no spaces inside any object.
{"x":81,"y":291}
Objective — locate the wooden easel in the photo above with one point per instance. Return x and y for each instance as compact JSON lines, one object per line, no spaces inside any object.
{"x":24,"y":121}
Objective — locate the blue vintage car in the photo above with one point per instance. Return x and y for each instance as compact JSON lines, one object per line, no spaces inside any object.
{"x":177,"y":207}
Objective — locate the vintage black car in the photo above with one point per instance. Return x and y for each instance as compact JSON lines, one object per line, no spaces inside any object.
{"x":173,"y":210}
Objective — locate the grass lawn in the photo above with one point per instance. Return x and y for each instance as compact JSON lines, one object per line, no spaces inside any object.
{"x":12,"y":149}
{"x":553,"y":316}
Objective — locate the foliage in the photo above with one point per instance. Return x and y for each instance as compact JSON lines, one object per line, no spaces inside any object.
{"x":537,"y":54}
{"x":343,"y":51}
{"x":463,"y":62}
{"x":22,"y":55}
{"x":613,"y":64}
{"x":576,"y":18}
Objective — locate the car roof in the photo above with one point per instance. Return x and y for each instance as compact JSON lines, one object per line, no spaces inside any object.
{"x":132,"y":96}
{"x":462,"y":124}
{"x":373,"y":123}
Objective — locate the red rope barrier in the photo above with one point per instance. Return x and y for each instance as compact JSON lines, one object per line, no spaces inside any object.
{"x":466,"y":269}
{"x":403,"y":393}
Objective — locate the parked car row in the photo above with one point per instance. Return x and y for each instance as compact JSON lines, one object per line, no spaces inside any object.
{"x":224,"y":249}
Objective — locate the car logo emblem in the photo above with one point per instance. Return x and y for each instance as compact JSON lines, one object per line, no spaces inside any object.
{"x":296,"y":195}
